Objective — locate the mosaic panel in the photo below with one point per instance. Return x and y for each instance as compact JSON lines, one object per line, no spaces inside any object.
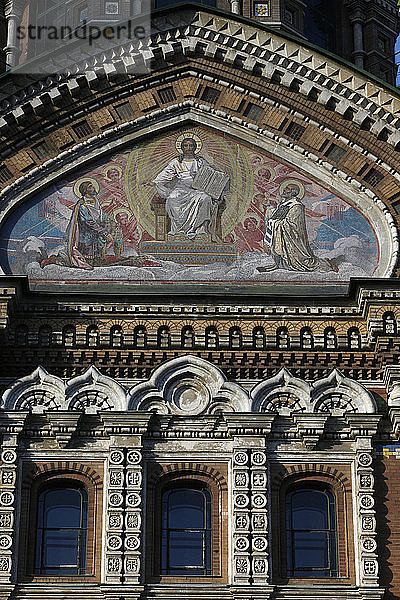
{"x":189,"y":207}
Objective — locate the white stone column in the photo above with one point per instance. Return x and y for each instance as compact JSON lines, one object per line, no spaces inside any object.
{"x":250,"y":517}
{"x":367,"y":522}
{"x":357,"y":20}
{"x":241,"y":516}
{"x":235,"y":7}
{"x":8,"y":478}
{"x":133,"y":517}
{"x":115,"y":516}
{"x":13,"y":13}
{"x":259,"y":517}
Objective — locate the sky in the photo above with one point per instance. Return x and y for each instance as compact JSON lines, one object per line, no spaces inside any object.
{"x":398,"y":59}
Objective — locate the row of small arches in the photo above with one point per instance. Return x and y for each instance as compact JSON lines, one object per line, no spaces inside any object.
{"x":187,"y":338}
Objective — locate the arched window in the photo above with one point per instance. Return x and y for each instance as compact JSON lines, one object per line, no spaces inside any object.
{"x":211,"y":337}
{"x":186,"y":532}
{"x":92,"y":336}
{"x":116,"y":336}
{"x":163,"y":337}
{"x":45,"y":335}
{"x":258,"y":337}
{"x":69,"y":336}
{"x":140,"y":337}
{"x":354,"y":339}
{"x":235,"y":337}
{"x":389,"y":324}
{"x":306,"y":338}
{"x":61,"y":533}
{"x":330,"y":339}
{"x":187,"y":337}
{"x":311,"y":538}
{"x":282,"y":338}
{"x":21,"y":335}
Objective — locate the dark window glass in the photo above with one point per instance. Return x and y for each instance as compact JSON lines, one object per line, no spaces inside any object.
{"x":61,"y":532}
{"x":311,"y":533}
{"x":186,"y":532}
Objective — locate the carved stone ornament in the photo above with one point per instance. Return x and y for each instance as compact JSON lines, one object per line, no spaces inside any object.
{"x":258,"y":458}
{"x":6,"y":520}
{"x":36,"y":392}
{"x":365,"y":459}
{"x":133,"y":478}
{"x":188,"y":385}
{"x":133,"y":520}
{"x":115,"y":521}
{"x":240,"y":458}
{"x":116,"y":457}
{"x":367,"y":501}
{"x":115,"y":499}
{"x":132,"y":564}
{"x":5,"y":542}
{"x":5,"y":563}
{"x":241,"y":500}
{"x":6,"y":498}
{"x":242,"y":566}
{"x":113,"y":564}
{"x":93,"y":391}
{"x":259,"y":500}
{"x":369,"y":545}
{"x":133,"y":499}
{"x":241,"y":521}
{"x":132,"y":542}
{"x":8,"y":456}
{"x":114,"y":542}
{"x":260,"y":544}
{"x":242,"y":544}
{"x":134,"y":457}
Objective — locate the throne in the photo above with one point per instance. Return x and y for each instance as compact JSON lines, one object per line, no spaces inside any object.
{"x":197,"y":251}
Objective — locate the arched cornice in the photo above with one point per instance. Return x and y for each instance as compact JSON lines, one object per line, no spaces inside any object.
{"x":36,"y":392}
{"x":191,"y":386}
{"x":188,"y":386}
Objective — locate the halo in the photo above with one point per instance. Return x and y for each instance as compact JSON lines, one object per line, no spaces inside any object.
{"x":271,"y":171}
{"x":192,"y":136}
{"x":297,"y":182}
{"x":108,"y":168}
{"x":126,"y":210}
{"x":82,"y":180}
{"x":254,"y":216}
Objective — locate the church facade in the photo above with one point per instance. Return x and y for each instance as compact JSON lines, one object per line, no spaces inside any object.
{"x":200,"y":318}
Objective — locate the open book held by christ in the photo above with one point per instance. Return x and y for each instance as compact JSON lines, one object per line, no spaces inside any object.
{"x":210,"y":181}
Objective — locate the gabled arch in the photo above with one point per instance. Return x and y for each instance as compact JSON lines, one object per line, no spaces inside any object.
{"x":339,"y":395}
{"x":36,"y":392}
{"x":188,"y":385}
{"x":282,"y":393}
{"x":93,"y":391}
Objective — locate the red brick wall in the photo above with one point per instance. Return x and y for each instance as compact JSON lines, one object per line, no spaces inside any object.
{"x":387,"y":485}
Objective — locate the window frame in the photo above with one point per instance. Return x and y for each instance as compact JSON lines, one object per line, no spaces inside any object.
{"x":206,"y":532}
{"x":29,"y":521}
{"x":164,"y":477}
{"x":330,"y":532}
{"x":285,"y":477}
{"x":42,"y":529}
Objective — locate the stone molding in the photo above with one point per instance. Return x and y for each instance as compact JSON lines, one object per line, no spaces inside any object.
{"x":188,"y":386}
